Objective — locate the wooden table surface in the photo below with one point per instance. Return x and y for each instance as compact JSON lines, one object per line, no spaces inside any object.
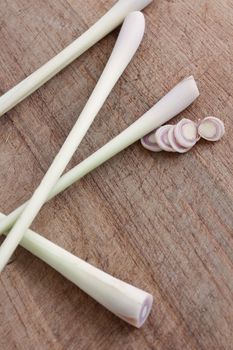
{"x":163,"y":222}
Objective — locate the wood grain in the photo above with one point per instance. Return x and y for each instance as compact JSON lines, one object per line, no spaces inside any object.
{"x":162,"y":222}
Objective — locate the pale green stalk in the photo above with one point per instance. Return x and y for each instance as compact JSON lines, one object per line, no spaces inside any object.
{"x":113,"y":18}
{"x":127,"y":43}
{"x":178,"y":99}
{"x":131,"y":304}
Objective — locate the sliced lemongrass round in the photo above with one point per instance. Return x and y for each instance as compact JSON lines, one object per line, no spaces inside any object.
{"x":174,"y":144}
{"x":161,"y":136}
{"x":151,"y":137}
{"x":149,"y":142}
{"x":211,"y":128}
{"x":186,"y":133}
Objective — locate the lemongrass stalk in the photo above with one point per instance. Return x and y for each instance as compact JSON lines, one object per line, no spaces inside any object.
{"x":173,"y":103}
{"x":113,"y":18}
{"x":135,"y":307}
{"x":131,"y":304}
{"x":126,"y":46}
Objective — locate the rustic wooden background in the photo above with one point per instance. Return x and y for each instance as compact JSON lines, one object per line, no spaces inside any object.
{"x":163,"y":222}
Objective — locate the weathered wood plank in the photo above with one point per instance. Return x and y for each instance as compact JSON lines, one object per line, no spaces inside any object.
{"x":163,"y":222}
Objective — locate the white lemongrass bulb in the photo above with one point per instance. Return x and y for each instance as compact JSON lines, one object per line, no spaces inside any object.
{"x":127,"y":43}
{"x":113,"y":18}
{"x":131,"y":304}
{"x":173,"y":103}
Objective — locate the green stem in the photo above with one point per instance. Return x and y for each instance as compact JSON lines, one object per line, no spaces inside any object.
{"x":185,"y":92}
{"x":127,"y":43}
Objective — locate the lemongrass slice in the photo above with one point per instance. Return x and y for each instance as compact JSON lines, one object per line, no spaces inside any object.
{"x":113,"y":18}
{"x":186,"y":133}
{"x":131,"y":304}
{"x":173,"y":142}
{"x":149,"y":142}
{"x":126,"y":45}
{"x":161,"y":136}
{"x":173,"y":103}
{"x":211,"y":128}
